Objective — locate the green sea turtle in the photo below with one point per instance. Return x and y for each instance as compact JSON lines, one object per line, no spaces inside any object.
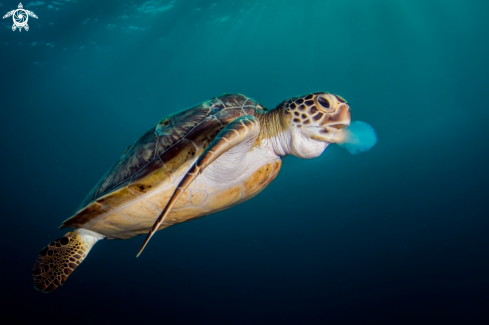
{"x":198,"y":161}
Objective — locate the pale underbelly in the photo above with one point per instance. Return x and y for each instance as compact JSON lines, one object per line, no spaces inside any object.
{"x":206,"y":195}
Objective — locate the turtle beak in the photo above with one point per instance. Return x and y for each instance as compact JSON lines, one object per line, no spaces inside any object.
{"x":337,"y":121}
{"x":332,"y":128}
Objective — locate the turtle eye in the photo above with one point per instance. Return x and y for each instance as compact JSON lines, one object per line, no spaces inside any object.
{"x":324,"y":102}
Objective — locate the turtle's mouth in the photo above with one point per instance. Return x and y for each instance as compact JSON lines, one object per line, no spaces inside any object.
{"x":331,"y":133}
{"x":337,"y":126}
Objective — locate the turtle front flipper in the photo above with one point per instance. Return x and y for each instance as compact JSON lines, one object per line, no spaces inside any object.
{"x":60,"y":258}
{"x":8,"y":14}
{"x":240,"y":134}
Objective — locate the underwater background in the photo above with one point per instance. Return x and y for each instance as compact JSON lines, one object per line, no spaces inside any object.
{"x":397,"y":235}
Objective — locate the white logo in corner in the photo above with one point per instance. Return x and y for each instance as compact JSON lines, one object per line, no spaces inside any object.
{"x":20,"y":16}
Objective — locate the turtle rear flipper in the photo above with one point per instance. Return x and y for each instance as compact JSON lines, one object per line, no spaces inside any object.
{"x":26,"y":27}
{"x":60,"y":258}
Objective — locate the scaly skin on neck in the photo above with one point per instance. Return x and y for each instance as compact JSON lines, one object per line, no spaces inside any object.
{"x":273,"y":134}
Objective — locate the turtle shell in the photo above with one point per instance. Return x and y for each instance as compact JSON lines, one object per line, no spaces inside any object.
{"x":164,"y":153}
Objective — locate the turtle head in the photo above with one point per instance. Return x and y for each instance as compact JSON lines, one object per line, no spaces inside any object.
{"x":313,"y":121}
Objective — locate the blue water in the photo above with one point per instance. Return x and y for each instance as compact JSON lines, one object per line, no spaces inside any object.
{"x":396,"y":235}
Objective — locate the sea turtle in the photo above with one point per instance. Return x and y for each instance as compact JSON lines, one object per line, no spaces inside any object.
{"x":20,"y":17}
{"x":198,"y":161}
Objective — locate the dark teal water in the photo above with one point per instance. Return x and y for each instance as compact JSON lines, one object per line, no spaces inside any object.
{"x":397,"y":235}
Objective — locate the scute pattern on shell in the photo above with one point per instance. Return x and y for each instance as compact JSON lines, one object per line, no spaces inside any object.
{"x":156,"y":143}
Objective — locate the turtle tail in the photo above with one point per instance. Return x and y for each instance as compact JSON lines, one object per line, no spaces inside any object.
{"x":60,"y":258}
